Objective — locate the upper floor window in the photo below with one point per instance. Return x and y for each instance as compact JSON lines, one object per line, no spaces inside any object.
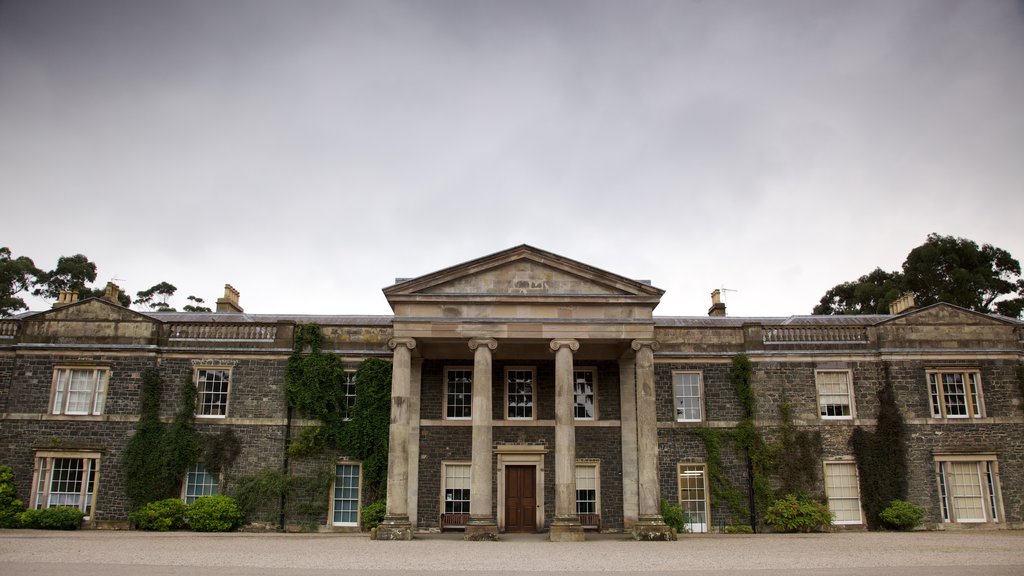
{"x":348,"y":389}
{"x":519,"y":393}
{"x":79,"y":391}
{"x":688,"y":388}
{"x":584,"y":394}
{"x":65,"y":479}
{"x":212,"y":392}
{"x":199,"y":483}
{"x":835,"y":400}
{"x":458,"y":397}
{"x":955,"y":394}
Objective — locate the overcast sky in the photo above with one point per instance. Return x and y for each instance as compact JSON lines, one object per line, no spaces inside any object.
{"x":310,"y":152}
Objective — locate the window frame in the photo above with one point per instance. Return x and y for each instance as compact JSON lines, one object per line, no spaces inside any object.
{"x":200,"y":392}
{"x":974,"y":399}
{"x":825,"y":466}
{"x":991,"y":493}
{"x":445,"y":465}
{"x":533,"y":385}
{"x":447,"y":382}
{"x":358,"y":499}
{"x":42,"y":480}
{"x":60,"y":393}
{"x":194,"y":469}
{"x":700,"y":396}
{"x":349,"y":384}
{"x":849,"y":393}
{"x":596,"y":465}
{"x":592,"y":370}
{"x":706,"y":489}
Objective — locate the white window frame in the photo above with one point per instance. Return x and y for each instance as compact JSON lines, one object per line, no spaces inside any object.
{"x":348,"y":390}
{"x":699,"y":398}
{"x":197,"y":476}
{"x":445,"y":466}
{"x":576,"y":374}
{"x":201,"y":392}
{"x":596,"y":466}
{"x":334,"y":495}
{"x":986,"y":466}
{"x":690,"y":468}
{"x":973,"y":395}
{"x":64,"y":377}
{"x":448,"y":370}
{"x":818,"y":374}
{"x":533,"y":389}
{"x":830,"y":465}
{"x":43,"y":480}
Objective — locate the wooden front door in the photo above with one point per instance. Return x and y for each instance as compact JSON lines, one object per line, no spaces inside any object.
{"x":520,"y":499}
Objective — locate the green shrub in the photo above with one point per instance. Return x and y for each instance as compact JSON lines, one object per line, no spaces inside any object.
{"x":674,"y":516}
{"x":10,"y":506}
{"x":63,"y":518}
{"x":373,"y":514}
{"x":162,"y":515}
{"x":739,"y":529}
{"x":797,"y":514}
{"x":214,"y":514}
{"x":901,"y":515}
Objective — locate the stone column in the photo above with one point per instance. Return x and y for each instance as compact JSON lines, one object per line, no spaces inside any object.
{"x":396,"y":525}
{"x":630,"y":481}
{"x":650,"y":525}
{"x":565,"y":526}
{"x":482,"y":525}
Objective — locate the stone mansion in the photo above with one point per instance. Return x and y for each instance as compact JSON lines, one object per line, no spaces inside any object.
{"x":530,"y":393}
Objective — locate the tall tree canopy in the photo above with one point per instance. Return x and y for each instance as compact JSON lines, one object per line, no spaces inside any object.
{"x":16,"y":275}
{"x":943,"y":269}
{"x":71,"y":273}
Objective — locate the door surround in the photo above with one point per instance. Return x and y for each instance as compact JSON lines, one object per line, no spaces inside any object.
{"x":520,"y":455}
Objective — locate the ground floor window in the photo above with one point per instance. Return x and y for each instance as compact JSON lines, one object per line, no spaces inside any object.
{"x":345,"y":503}
{"x":199,"y":483}
{"x":969,"y":488}
{"x":66,"y":480}
{"x":843,"y":492}
{"x":455,"y":505}
{"x":693,"y":496}
{"x":587,"y":490}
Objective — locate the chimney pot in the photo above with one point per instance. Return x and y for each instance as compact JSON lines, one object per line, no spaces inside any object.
{"x":111,"y":293}
{"x":904,"y":303}
{"x":717,"y":307}
{"x":229,"y":303}
{"x":65,"y":297}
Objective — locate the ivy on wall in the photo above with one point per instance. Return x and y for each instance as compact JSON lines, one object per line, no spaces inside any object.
{"x":882,"y":457}
{"x":366,"y":432}
{"x":157,"y":456}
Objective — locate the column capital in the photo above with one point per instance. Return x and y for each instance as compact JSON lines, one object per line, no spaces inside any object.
{"x":475,"y":343}
{"x":645,"y":343}
{"x":409,"y":343}
{"x":557,"y":343}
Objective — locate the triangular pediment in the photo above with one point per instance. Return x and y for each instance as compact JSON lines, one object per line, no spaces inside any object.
{"x":523,"y":271}
{"x":942,"y":314}
{"x":92,"y":310}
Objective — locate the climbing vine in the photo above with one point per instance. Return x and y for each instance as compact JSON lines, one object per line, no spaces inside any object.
{"x":366,"y":434}
{"x":881,"y":457}
{"x":157,"y":456}
{"x":313,"y":385}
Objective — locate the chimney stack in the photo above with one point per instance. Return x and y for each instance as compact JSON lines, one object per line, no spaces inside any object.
{"x":229,"y":303}
{"x":904,"y":303}
{"x":111,"y":293}
{"x":717,"y":307}
{"x":65,"y":297}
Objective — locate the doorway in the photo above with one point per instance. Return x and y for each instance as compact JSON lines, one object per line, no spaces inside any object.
{"x":520,"y":499}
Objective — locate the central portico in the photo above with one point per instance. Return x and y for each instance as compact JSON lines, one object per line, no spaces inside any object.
{"x":515,"y":376}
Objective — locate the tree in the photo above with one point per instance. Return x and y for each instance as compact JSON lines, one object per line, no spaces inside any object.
{"x":196,"y":306}
{"x":156,"y":297}
{"x":943,"y":269}
{"x":16,"y":275}
{"x":71,"y":274}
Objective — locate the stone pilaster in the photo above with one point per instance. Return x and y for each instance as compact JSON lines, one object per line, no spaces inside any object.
{"x":396,"y":525}
{"x":565,"y":526}
{"x":649,"y":525}
{"x":482,"y":525}
{"x":630,"y":481}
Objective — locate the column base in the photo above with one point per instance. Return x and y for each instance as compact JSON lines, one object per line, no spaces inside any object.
{"x":566,"y":529}
{"x":394,"y":528}
{"x":653,"y":528}
{"x":481,"y":530}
